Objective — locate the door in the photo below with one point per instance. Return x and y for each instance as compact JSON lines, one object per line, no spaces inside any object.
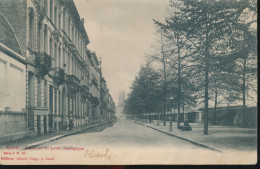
{"x":39,"y":124}
{"x":45,"y":123}
{"x":51,"y":107}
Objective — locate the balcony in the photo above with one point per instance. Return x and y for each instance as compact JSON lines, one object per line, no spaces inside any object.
{"x":42,"y":63}
{"x":94,"y":100}
{"x":84,"y":90}
{"x":73,"y":83}
{"x":104,"y":105}
{"x":58,"y":75}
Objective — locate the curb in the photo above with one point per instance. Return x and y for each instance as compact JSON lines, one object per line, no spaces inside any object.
{"x":182,"y":138}
{"x":60,"y":137}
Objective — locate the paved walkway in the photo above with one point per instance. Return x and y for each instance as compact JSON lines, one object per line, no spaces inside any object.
{"x":37,"y":140}
{"x":224,"y":138}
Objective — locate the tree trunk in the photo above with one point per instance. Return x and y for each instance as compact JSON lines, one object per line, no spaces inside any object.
{"x":164,"y":84}
{"x":206,"y":80}
{"x":214,"y":120}
{"x":183,"y":111}
{"x":244,"y":93}
{"x":150,"y":118}
{"x":179,"y":84}
{"x":170,"y":128}
{"x":206,"y":98}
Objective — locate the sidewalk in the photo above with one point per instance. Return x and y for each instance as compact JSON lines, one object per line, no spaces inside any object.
{"x":222,"y":138}
{"x":38,"y":140}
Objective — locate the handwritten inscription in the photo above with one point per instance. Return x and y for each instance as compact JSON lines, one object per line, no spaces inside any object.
{"x":92,"y":153}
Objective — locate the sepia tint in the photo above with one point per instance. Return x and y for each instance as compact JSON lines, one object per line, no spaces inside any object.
{"x":128,"y":82}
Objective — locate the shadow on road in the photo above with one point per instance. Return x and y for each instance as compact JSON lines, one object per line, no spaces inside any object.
{"x":96,"y":129}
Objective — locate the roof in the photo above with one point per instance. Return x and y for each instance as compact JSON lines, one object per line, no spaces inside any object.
{"x":94,"y":56}
{"x":7,"y":35}
{"x":71,"y":6}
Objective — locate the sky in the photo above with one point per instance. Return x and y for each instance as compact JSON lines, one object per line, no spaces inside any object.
{"x":121,"y":32}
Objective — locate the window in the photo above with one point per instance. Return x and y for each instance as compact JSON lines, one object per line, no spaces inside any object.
{"x":75,"y":33}
{"x":51,"y":9}
{"x":55,"y":101}
{"x":55,"y":16}
{"x":75,"y":69}
{"x":69,"y":27}
{"x":72,"y":68}
{"x":45,"y":40}
{"x":46,"y":7}
{"x":69,"y":66}
{"x":31,"y":32}
{"x":81,"y":48}
{"x":59,"y":57}
{"x":51,"y":53}
{"x":63,"y":58}
{"x":39,"y":37}
{"x":64,"y":20}
{"x":39,"y":92}
{"x":55,"y":55}
{"x":59,"y":103}
{"x":76,"y":43}
{"x":83,"y":53}
{"x":59,"y":22}
{"x":72,"y":33}
{"x":45,"y":93}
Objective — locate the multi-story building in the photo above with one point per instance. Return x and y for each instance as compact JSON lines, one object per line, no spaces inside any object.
{"x":58,"y":71}
{"x":94,"y":97}
{"x":103,"y":98}
{"x":62,"y":75}
{"x":111,"y":108}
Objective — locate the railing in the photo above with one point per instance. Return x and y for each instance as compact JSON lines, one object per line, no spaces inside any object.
{"x":42,"y":63}
{"x":42,"y":59}
{"x":72,"y":79}
{"x":94,"y":100}
{"x":73,"y":82}
{"x":58,"y":75}
{"x":84,"y":90}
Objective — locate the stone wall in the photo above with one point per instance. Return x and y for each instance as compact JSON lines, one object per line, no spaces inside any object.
{"x":13,"y":126}
{"x":233,"y":116}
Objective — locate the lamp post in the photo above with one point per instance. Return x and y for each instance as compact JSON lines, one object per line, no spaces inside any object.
{"x":170,"y":128}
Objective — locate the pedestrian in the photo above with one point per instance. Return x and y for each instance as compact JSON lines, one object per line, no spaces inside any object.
{"x":186,"y":122}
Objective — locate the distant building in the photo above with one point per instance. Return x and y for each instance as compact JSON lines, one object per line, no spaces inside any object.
{"x":121,"y":102}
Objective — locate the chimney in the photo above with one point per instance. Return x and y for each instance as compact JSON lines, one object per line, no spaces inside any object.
{"x":82,"y":20}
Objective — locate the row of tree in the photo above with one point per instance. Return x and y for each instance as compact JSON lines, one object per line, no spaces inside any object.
{"x":206,"y":51}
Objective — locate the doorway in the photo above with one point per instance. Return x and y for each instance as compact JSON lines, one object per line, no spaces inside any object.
{"x":51,"y":106}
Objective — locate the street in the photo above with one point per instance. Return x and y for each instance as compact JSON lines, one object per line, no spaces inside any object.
{"x":123,"y":133}
{"x":126,"y":142}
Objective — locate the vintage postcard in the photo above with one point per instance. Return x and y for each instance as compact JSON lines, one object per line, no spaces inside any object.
{"x":123,"y":82}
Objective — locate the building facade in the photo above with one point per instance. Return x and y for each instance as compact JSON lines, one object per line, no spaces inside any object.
{"x":121,"y":103}
{"x":62,"y":74}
